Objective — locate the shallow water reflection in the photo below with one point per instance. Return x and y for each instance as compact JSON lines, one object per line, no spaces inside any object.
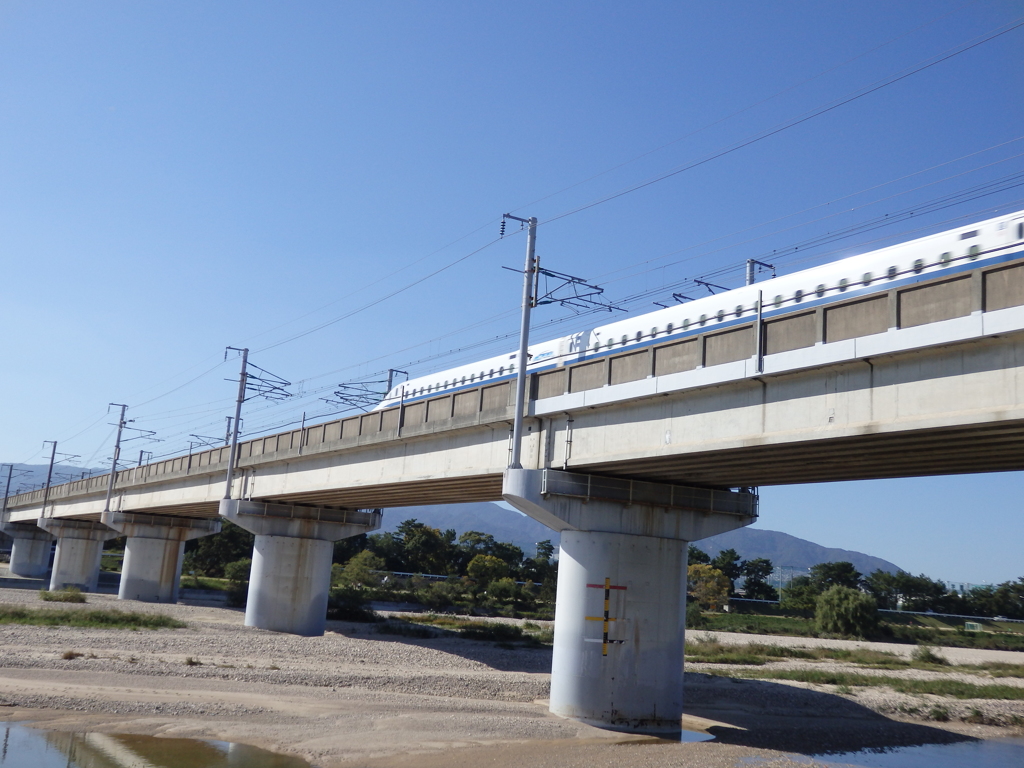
{"x":983,"y":753}
{"x":24,"y":746}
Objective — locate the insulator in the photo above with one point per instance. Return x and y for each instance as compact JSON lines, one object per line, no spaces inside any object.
{"x":502,"y":233}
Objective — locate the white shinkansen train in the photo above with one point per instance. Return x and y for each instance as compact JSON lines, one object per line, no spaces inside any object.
{"x":956,"y":250}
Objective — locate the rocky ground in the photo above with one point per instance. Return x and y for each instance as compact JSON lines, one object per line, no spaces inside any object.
{"x":356,"y":697}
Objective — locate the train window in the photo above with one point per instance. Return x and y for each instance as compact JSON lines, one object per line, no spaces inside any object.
{"x":968,"y":235}
{"x":512,"y":368}
{"x":611,"y":343}
{"x":654,"y":333}
{"x":623,"y":340}
{"x":739,"y":310}
{"x":891,"y":273}
{"x":820,"y":290}
{"x":501,"y":371}
{"x":843,"y":284}
{"x":918,"y":266}
{"x":463,"y":379}
{"x":492,"y":372}
{"x":867,"y":278}
{"x":446,"y":385}
{"x":472,"y":378}
{"x":720,"y":315}
{"x":639,"y":335}
{"x":670,"y":327}
{"x":945,"y":258}
{"x":973,"y":251}
{"x":703,"y":319}
{"x":798,"y":296}
{"x":778,"y":301}
{"x":1020,"y":231}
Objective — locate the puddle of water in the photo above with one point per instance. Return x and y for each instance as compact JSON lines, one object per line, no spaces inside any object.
{"x":23,"y":746}
{"x":987,"y":753}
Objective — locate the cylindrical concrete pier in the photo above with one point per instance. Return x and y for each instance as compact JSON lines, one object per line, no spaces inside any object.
{"x":30,"y":552}
{"x":77,"y":563}
{"x":30,"y":558}
{"x":79,"y":548}
{"x":152,"y":569}
{"x":289,"y":584}
{"x":620,"y":618}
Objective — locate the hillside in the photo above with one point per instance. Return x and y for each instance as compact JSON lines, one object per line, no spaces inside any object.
{"x":507,"y":525}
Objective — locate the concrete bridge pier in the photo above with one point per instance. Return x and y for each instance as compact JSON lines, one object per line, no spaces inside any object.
{"x":291,"y":560}
{"x":620,"y":610}
{"x":79,"y":549}
{"x":151,"y":571}
{"x":30,"y":550}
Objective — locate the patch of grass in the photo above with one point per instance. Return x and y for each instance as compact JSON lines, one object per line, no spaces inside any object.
{"x":996,"y":668}
{"x":404,"y":629}
{"x":95,"y":619}
{"x":71,"y":655}
{"x":496,"y":631}
{"x":191,"y":661}
{"x":925,"y":654}
{"x":759,"y":625}
{"x":65,"y":595}
{"x":951,"y":688}
{"x":938,"y":713}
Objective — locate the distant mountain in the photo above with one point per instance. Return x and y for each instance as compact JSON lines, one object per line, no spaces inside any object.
{"x":508,"y":525}
{"x":36,"y":475}
{"x":486,"y":517}
{"x":789,"y":551}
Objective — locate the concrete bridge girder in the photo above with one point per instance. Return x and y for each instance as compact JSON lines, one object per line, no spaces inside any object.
{"x":620,"y":610}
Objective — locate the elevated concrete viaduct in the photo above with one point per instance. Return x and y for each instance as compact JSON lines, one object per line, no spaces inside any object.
{"x":632,"y":456}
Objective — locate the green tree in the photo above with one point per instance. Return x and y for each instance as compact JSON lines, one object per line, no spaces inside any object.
{"x":426,"y":549}
{"x":708,"y":585}
{"x":845,"y":611}
{"x":359,"y":571}
{"x":800,"y":594}
{"x":483,"y":569}
{"x":346,"y":549}
{"x":840,"y":574}
{"x":695,"y":556}
{"x":728,"y":562}
{"x":756,"y":573}
{"x":237,"y":574}
{"x":208,"y":555}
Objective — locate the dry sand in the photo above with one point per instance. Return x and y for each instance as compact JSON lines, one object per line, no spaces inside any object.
{"x":357,"y":698}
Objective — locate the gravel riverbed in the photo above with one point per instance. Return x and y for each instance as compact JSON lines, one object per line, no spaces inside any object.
{"x":357,"y":697}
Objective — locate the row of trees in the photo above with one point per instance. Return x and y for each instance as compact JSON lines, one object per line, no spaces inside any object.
{"x":904,"y":591}
{"x":755,"y":572}
{"x":476,"y":564}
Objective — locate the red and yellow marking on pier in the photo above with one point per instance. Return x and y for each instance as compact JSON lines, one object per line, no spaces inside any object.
{"x":606,"y":619}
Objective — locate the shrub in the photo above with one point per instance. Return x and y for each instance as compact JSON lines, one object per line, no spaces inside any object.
{"x":65,"y":595}
{"x":695,"y":619}
{"x":237,"y":574}
{"x":348,"y":603}
{"x":360,"y":570}
{"x":441,"y":594}
{"x":925,"y":654}
{"x":845,"y":611}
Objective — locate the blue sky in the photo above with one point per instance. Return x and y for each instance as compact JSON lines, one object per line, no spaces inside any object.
{"x":178,"y":177}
